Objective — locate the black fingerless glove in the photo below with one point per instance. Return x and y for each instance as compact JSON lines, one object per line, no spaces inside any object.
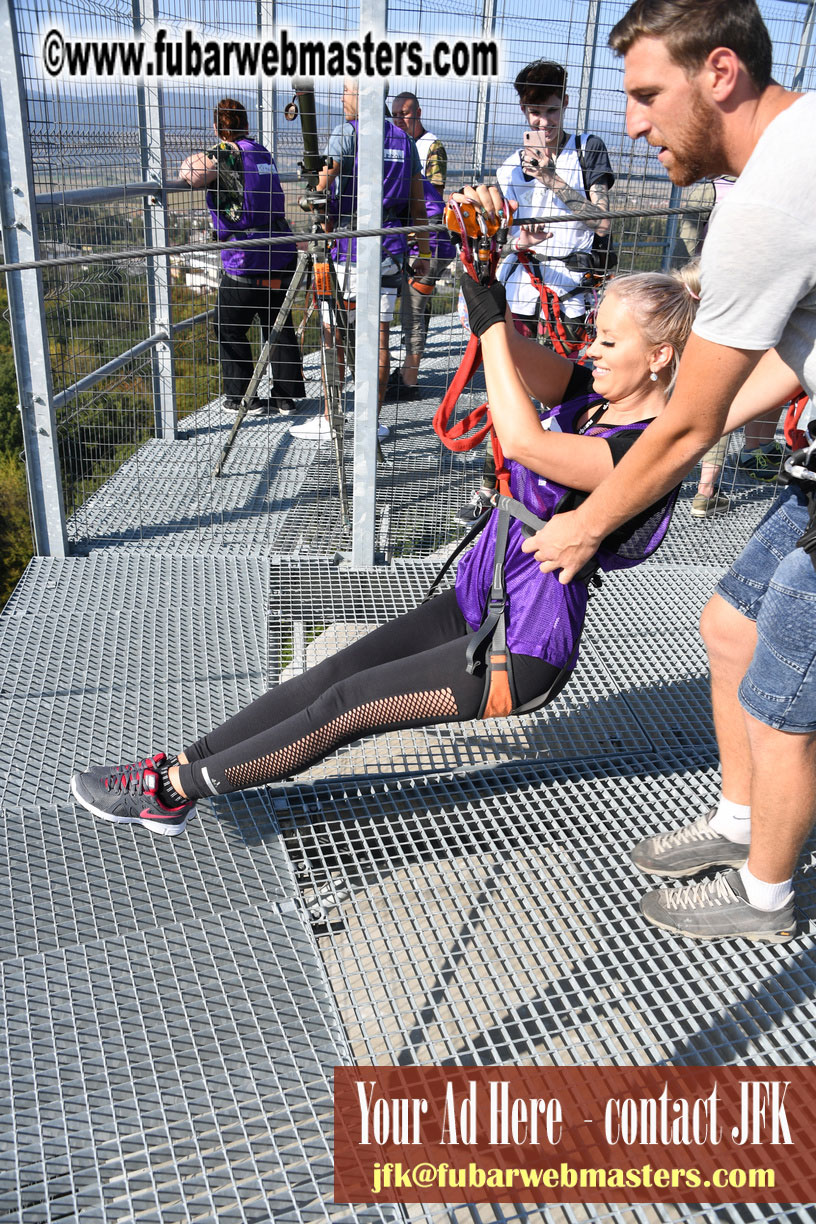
{"x":486,"y":304}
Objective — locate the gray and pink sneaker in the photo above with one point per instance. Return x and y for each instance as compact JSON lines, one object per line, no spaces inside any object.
{"x":131,"y":794}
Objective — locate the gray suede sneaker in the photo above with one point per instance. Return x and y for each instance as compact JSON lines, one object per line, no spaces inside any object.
{"x":685,"y":851}
{"x":717,"y":909}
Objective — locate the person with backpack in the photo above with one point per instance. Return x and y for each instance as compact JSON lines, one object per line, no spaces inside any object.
{"x":554,"y":172}
{"x":416,"y":292}
{"x":403,"y":203}
{"x":430,"y":666}
{"x":245,"y":199}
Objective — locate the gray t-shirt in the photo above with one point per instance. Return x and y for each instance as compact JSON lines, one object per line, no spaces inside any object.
{"x":758,"y":266}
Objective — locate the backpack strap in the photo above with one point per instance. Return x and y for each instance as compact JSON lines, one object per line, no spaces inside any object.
{"x":579,"y":149}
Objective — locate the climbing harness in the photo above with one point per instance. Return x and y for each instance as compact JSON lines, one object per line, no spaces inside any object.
{"x":552,"y":321}
{"x":801,"y":466}
{"x":487,"y":649}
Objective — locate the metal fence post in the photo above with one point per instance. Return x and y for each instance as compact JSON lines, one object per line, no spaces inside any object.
{"x":675,"y":201}
{"x":159,"y":305}
{"x":266,"y":17}
{"x":804,"y":47}
{"x":588,"y":66}
{"x":483,"y":96}
{"x":367,"y":346}
{"x":32,"y":360}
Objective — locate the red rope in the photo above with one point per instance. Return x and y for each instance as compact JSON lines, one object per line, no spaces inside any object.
{"x":474,"y":427}
{"x":796,"y":438}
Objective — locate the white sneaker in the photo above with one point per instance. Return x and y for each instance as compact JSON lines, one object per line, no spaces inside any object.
{"x":383,"y":432}
{"x":316,"y":429}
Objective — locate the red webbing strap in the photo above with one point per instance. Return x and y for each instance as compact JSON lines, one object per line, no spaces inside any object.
{"x":796,"y":438}
{"x":454,"y":436}
{"x":502,"y":471}
{"x":474,"y":427}
{"x":550,"y":310}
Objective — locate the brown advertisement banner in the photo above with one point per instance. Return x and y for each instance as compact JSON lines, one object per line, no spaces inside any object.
{"x":574,"y":1134}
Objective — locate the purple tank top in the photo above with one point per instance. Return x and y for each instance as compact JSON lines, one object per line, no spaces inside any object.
{"x":263,"y":215}
{"x":396,"y":203}
{"x":544,"y":617}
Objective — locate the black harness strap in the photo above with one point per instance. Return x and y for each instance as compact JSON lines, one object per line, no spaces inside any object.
{"x":807,"y":540}
{"x":487,"y":647}
{"x":470,"y":534}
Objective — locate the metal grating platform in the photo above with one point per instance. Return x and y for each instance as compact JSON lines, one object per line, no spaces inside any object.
{"x":67,"y":878}
{"x":492,"y":918}
{"x":181,"y":1072}
{"x":80,"y":685}
{"x":278,"y":494}
{"x":173,"y":1011}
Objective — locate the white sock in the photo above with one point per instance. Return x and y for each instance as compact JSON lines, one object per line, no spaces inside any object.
{"x":733,"y":820}
{"x":765,"y":896}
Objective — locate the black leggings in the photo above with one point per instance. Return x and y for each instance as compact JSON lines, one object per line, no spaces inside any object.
{"x":408,"y":673}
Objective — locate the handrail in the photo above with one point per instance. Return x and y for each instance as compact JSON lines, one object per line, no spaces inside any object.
{"x":116,"y":363}
{"x":127,"y":191}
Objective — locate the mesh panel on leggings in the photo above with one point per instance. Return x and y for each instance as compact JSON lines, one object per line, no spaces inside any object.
{"x":387,"y":713}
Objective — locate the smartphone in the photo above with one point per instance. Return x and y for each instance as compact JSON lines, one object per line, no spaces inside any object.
{"x":535,"y":139}
{"x":535,"y":155}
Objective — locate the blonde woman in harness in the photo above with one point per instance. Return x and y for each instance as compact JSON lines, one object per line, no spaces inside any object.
{"x":433,"y":665}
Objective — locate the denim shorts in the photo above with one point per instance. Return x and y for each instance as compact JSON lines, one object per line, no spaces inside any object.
{"x":774,"y":583}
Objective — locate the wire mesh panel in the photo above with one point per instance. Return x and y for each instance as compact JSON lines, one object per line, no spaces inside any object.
{"x":102,"y":192}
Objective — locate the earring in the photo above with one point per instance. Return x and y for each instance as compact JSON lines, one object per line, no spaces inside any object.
{"x":653,"y":377}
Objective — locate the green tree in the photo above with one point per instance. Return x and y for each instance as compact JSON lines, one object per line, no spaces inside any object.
{"x":15,"y":527}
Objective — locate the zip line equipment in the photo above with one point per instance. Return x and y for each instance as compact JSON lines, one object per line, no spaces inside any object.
{"x":801,"y":466}
{"x":481,"y":243}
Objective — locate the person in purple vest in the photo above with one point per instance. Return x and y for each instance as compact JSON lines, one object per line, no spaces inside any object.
{"x":245,"y":200}
{"x":403,"y":202}
{"x":414,"y":671}
{"x":416,"y":291}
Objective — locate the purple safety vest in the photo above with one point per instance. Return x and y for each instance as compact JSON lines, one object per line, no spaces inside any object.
{"x":263,"y":214}
{"x":441,"y":246}
{"x":544,"y":617}
{"x":396,"y":203}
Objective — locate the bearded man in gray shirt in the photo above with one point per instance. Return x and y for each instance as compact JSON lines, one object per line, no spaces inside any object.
{"x":697,"y":75}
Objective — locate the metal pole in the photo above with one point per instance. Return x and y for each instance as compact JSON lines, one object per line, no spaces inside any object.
{"x":804,"y":47}
{"x":25,"y":294}
{"x":371,"y":132}
{"x":675,"y":201}
{"x":151,"y":145}
{"x":267,"y":115}
{"x":588,"y":66}
{"x":483,"y":95}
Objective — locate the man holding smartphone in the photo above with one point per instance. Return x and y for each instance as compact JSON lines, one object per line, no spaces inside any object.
{"x":553,"y":172}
